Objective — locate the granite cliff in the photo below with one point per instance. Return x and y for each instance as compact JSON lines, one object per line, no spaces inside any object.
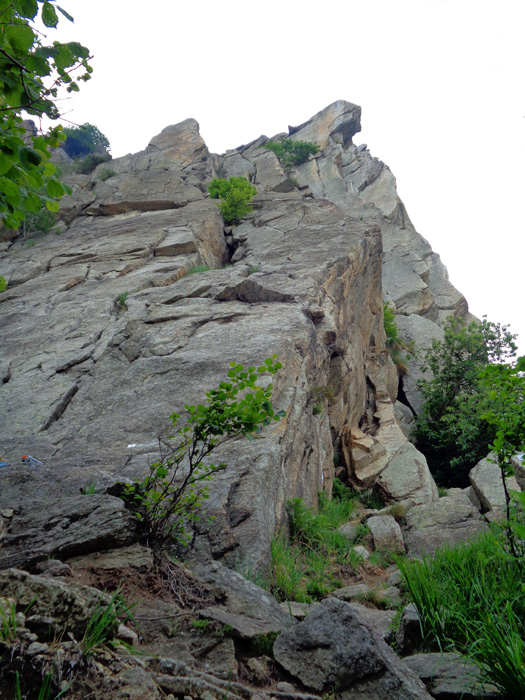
{"x":89,"y":378}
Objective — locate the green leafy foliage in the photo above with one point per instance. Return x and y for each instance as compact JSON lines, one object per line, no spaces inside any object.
{"x":504,"y":385}
{"x":169,"y":498}
{"x":291,"y":153}
{"x":84,"y":139}
{"x":31,"y":75}
{"x":41,"y":221}
{"x":120,"y":301}
{"x":235,"y":196}
{"x":451,"y":430}
{"x":3,"y":284}
{"x":470,"y":599}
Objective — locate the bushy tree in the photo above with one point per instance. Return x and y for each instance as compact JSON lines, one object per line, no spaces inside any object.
{"x":31,"y":75}
{"x":85,"y":139}
{"x":451,"y":430}
{"x":235,"y":196}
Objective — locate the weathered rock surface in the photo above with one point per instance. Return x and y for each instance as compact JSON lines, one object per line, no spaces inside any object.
{"x":247,"y":608}
{"x":449,"y":676}
{"x":421,"y":331}
{"x":386,"y":533}
{"x":485,"y":478}
{"x":407,"y":479}
{"x":68,"y":604}
{"x":65,"y":527}
{"x":447,"y":521}
{"x":335,"y":646}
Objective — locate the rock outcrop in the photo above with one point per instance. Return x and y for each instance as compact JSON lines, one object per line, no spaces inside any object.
{"x":105,"y":334}
{"x":110,"y":325}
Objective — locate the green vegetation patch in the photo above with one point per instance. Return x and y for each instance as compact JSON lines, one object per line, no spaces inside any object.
{"x":470,"y":598}
{"x":291,"y":153}
{"x":307,"y":565}
{"x":235,"y":196}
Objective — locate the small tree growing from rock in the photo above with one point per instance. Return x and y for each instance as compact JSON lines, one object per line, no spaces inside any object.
{"x":235,"y":196}
{"x":168,"y":499}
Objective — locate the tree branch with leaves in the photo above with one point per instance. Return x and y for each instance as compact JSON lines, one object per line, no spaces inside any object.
{"x":31,"y":76}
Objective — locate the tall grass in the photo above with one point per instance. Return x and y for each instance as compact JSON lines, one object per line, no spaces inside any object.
{"x":471,"y":598}
{"x":305,"y":566}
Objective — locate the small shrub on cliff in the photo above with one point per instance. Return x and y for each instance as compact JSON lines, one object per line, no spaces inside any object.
{"x":291,"y":153}
{"x":169,"y":498}
{"x":394,"y":343}
{"x":235,"y":195}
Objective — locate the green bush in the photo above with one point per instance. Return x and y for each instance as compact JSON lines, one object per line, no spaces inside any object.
{"x":86,"y":165}
{"x":291,"y":153}
{"x":167,"y":500}
{"x":235,"y":196}
{"x":106,"y":174}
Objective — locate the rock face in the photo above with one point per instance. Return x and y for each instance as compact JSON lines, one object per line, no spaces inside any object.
{"x":105,"y":335}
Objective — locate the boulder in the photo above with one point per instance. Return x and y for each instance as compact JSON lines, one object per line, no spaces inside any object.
{"x":67,"y":606}
{"x":349,"y":593}
{"x":248,"y":609}
{"x":334,"y":646}
{"x":386,"y":533}
{"x":485,"y":478}
{"x":449,"y":520}
{"x":407,"y":478}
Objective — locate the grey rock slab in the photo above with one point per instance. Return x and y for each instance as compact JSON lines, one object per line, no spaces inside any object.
{"x":404,"y":417}
{"x":406,"y":288}
{"x":447,"y":521}
{"x":485,"y":478}
{"x":386,"y":533}
{"x":380,"y":620}
{"x":135,"y":557}
{"x":407,"y":478}
{"x":422,"y":332}
{"x":449,"y":676}
{"x":409,"y":636}
{"x":350,"y":531}
{"x":66,"y":527}
{"x":349,"y":593}
{"x":249,"y":609}
{"x":335,"y":646}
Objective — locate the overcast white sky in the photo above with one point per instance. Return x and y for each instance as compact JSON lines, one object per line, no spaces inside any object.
{"x":440,"y":83}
